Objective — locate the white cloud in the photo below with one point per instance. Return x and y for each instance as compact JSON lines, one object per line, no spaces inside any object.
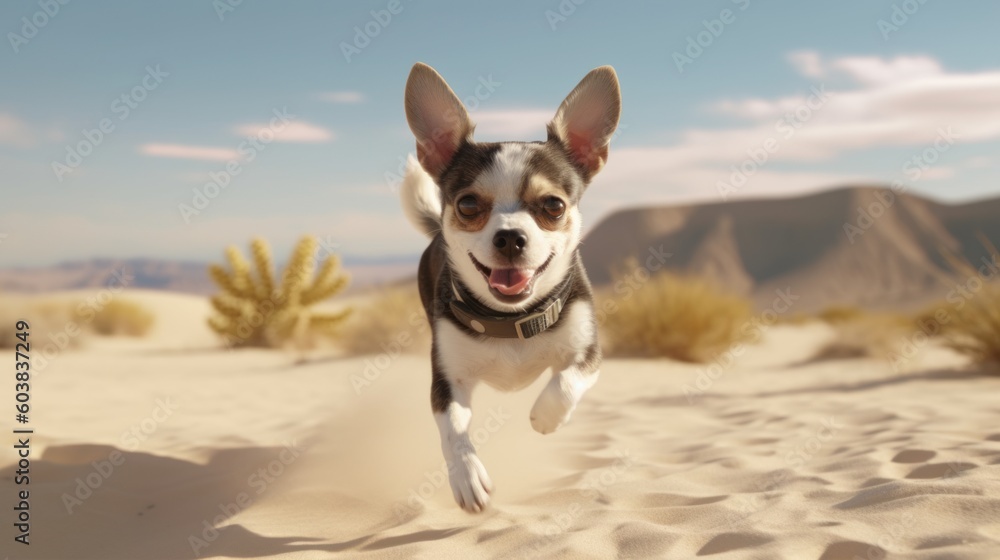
{"x":872,"y":103}
{"x":15,"y":132}
{"x":808,"y":63}
{"x":872,"y":70}
{"x":899,"y":102}
{"x":296,"y":131}
{"x":979,"y":162}
{"x":342,"y":96}
{"x":867,"y":70}
{"x":937,"y":173}
{"x":511,"y":124}
{"x":181,"y":151}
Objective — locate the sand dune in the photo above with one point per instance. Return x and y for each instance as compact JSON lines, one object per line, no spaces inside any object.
{"x":164,"y":448}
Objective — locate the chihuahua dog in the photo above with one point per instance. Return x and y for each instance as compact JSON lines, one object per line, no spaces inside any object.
{"x":502,"y":282}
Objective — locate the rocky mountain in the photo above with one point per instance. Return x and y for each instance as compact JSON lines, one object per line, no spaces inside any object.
{"x":865,"y":246}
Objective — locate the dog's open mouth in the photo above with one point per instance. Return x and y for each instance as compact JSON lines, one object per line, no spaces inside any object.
{"x":510,"y":284}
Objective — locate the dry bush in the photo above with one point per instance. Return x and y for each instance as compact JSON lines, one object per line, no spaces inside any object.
{"x":43,"y":318}
{"x":122,"y":317}
{"x":973,"y":329}
{"x":11,"y":312}
{"x":56,"y":317}
{"x":796,"y":319}
{"x":861,"y":335}
{"x":675,"y":317}
{"x":391,"y":320}
{"x":841,"y":314}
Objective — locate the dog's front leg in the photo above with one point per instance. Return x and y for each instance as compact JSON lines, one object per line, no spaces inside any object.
{"x":450,"y":400}
{"x":560,"y":396}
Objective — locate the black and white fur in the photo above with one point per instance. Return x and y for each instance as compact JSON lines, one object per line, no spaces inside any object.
{"x":514,"y":184}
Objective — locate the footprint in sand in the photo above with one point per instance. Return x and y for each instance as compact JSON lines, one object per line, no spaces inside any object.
{"x":939,"y":470}
{"x":914,"y":456}
{"x":733,"y":541}
{"x":849,"y":550}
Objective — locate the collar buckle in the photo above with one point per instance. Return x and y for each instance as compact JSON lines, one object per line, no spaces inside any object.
{"x":549,"y":316}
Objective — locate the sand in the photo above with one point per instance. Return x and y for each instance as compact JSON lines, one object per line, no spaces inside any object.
{"x":169,"y":448}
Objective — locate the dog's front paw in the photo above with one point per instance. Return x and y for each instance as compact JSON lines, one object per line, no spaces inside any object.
{"x":470,"y":484}
{"x":551,"y":411}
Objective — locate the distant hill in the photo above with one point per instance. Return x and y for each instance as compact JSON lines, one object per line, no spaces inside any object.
{"x":817,"y":245}
{"x":177,"y":276}
{"x":821,"y":246}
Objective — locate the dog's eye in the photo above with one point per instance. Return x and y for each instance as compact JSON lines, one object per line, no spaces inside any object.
{"x":468,"y":206}
{"x":554,"y":207}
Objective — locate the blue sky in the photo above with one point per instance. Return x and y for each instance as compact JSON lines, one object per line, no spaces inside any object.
{"x":199,"y":80}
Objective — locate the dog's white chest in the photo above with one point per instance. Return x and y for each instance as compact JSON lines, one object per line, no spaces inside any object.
{"x":509,"y":364}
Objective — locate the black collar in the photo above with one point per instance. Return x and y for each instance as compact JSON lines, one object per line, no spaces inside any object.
{"x":498,"y":324}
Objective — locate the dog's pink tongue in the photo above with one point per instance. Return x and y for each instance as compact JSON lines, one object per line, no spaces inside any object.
{"x":509,"y":281}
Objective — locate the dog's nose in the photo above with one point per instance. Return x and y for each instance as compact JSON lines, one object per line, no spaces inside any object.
{"x":510,"y":242}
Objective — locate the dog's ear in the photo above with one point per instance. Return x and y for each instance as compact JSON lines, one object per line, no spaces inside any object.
{"x":437,"y":118}
{"x":587,"y":119}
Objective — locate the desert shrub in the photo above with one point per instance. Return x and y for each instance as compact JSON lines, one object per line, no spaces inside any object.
{"x":44,"y":318}
{"x":676,"y":317}
{"x":392,"y":319}
{"x":797,"y":319}
{"x":9,"y":316}
{"x":254,"y":310}
{"x":973,"y":329}
{"x":840,"y":314}
{"x":53,"y":316}
{"x":122,"y":317}
{"x":865,"y":335}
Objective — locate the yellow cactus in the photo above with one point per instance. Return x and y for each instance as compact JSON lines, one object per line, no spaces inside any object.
{"x":252,"y":311}
{"x":265,"y":268}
